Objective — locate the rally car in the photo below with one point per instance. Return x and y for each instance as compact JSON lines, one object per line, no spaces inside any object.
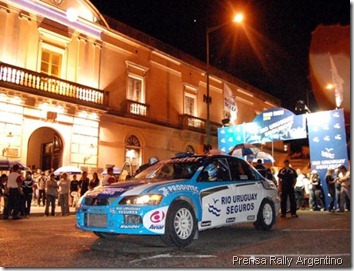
{"x":178,"y":197}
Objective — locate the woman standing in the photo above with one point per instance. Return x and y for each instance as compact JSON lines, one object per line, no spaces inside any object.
{"x":94,"y":182}
{"x":331,"y":181}
{"x":52,"y":188}
{"x":64,"y":188}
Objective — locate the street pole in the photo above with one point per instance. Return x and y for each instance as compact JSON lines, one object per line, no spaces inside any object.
{"x":237,"y":19}
{"x":207,"y":146}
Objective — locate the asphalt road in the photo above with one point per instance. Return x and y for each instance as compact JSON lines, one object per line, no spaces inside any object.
{"x":317,"y":239}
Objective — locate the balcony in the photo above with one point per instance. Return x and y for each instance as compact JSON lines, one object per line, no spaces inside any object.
{"x":44,"y":85}
{"x":192,"y":123}
{"x":136,"y":108}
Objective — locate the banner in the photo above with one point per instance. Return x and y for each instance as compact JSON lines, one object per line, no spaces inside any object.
{"x":275,"y":124}
{"x":229,"y":137}
{"x":327,"y":141}
{"x":230,"y":106}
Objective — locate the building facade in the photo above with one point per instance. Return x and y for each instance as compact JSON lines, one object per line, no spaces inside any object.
{"x":78,"y":88}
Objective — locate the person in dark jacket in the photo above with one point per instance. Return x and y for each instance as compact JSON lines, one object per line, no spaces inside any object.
{"x":27,"y":188}
{"x":287,"y":179}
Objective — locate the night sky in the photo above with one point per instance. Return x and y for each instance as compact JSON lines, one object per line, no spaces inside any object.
{"x":271,"y":51}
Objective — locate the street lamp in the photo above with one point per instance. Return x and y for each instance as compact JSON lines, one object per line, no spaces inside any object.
{"x":238,"y":18}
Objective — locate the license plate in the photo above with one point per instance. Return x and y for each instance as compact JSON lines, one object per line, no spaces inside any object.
{"x":96,"y":220}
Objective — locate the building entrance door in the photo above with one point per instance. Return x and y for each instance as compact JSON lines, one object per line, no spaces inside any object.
{"x":45,"y":148}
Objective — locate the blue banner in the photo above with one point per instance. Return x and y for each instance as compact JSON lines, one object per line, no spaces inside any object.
{"x":277,"y":124}
{"x":327,"y":141}
{"x":229,"y":137}
{"x":272,"y":125}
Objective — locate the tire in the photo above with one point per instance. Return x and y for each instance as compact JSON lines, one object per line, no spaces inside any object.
{"x":181,"y":225}
{"x":106,"y":235}
{"x":266,"y":215}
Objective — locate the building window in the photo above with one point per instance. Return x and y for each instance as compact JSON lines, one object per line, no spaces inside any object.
{"x":132,"y":152}
{"x":190,"y":149}
{"x":51,"y":62}
{"x":190,"y":100}
{"x":136,"y":89}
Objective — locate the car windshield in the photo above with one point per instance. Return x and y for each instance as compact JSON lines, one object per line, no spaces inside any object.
{"x":172,"y":169}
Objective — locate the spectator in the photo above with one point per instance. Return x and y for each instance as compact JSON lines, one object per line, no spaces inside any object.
{"x":331,"y":181}
{"x":3,"y":190}
{"x":262,"y":169}
{"x":344,"y":180}
{"x":271,"y":177}
{"x":274,"y":172}
{"x":27,"y":188}
{"x":94,"y":182}
{"x":64,"y":188}
{"x":338,"y":188}
{"x":84,"y":183}
{"x":74,"y":187}
{"x":287,"y":179}
{"x":14,"y":187}
{"x":52,"y":189}
{"x":318,"y":202}
{"x":41,"y":188}
{"x":300,"y":190}
{"x":36,"y":177}
{"x":109,"y":177}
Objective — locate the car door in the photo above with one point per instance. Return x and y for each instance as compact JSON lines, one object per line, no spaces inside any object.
{"x":246,"y":191}
{"x":215,"y":194}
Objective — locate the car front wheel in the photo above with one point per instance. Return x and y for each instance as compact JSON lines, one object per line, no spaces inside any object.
{"x":266,"y":215}
{"x":180,"y":226}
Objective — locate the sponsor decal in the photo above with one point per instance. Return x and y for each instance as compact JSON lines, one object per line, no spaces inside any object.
{"x":251,"y":217}
{"x":129,"y":226}
{"x":128,"y":210}
{"x":178,"y":188}
{"x":157,"y":216}
{"x":205,"y":223}
{"x":155,"y":220}
{"x":230,"y":219}
{"x":239,"y":203}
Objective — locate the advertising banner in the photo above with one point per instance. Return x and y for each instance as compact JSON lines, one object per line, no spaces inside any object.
{"x":276,"y":124}
{"x":327,"y":141}
{"x":229,"y":137}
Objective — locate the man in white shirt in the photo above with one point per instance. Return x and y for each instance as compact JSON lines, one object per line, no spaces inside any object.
{"x":14,"y":186}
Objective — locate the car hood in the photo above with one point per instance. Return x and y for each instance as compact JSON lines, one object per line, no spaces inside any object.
{"x":143,"y":186}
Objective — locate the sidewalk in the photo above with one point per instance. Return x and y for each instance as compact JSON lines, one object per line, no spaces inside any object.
{"x":39,"y":211}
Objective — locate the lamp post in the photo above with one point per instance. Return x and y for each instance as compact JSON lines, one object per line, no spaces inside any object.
{"x":238,"y":18}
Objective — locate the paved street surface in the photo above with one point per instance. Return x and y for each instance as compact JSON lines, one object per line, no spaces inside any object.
{"x":318,"y":239}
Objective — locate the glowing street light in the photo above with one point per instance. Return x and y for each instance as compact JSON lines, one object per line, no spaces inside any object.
{"x":238,"y":18}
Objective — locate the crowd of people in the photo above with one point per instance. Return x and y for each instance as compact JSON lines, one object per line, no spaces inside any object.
{"x":298,"y":190}
{"x":43,"y":189}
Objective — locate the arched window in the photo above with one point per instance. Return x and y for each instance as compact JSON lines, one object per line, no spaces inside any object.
{"x":133,"y":151}
{"x":190,"y":149}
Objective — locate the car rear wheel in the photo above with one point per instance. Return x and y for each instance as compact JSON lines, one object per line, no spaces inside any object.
{"x":266,"y":215}
{"x":106,"y":235}
{"x":180,"y":226}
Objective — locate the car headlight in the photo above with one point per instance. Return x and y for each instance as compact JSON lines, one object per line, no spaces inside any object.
{"x":153,"y":199}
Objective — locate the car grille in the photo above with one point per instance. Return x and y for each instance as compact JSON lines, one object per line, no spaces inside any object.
{"x":96,"y":201}
{"x":96,"y":220}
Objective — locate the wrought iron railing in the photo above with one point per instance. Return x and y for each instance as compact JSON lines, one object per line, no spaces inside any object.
{"x":42,"y":82}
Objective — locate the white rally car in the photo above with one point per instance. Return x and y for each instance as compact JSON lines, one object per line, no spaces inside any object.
{"x":178,"y":197}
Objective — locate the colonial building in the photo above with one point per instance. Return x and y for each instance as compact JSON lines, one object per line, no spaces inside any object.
{"x":78,"y":88}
